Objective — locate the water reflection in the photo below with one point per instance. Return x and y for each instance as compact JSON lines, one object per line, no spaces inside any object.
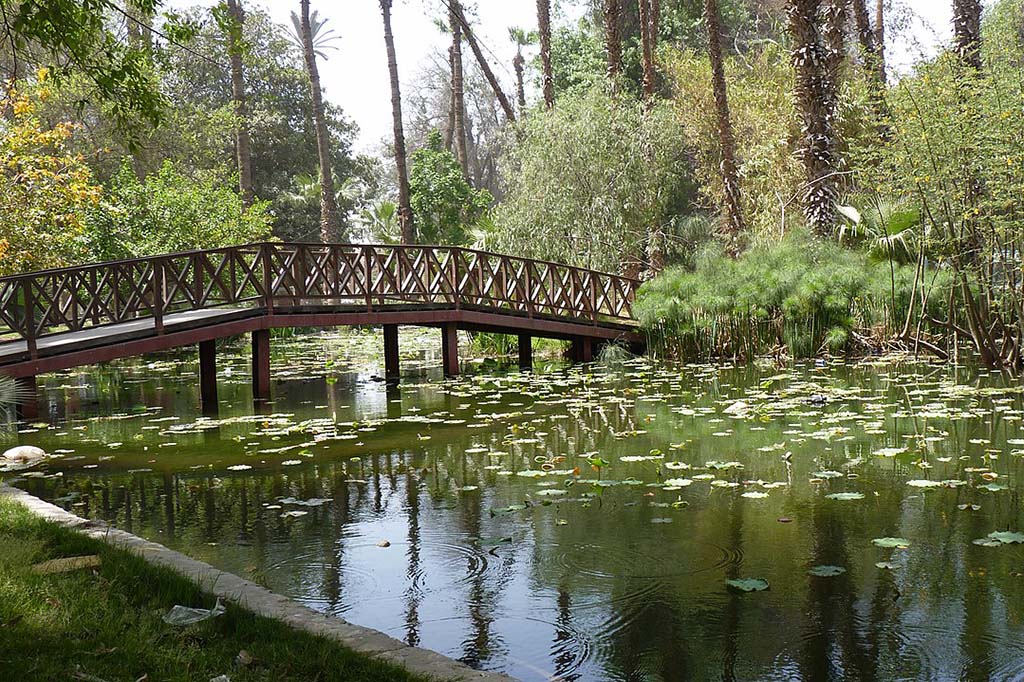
{"x":404,"y":509}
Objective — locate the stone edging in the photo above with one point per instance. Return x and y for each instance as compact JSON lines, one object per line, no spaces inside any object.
{"x":260,"y":600}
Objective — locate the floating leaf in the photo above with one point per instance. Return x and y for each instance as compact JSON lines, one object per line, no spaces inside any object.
{"x":891,"y":543}
{"x":826,"y":571}
{"x":888,"y":565}
{"x":755,"y":495}
{"x":748,"y":584}
{"x":1007,"y":537}
{"x":923,"y":483}
{"x":845,"y":496}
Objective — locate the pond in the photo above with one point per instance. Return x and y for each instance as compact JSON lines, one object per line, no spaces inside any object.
{"x":582,"y":523}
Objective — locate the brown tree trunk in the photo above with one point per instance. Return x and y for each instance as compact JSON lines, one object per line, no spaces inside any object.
{"x":458,"y":90}
{"x":647,"y":22}
{"x":405,"y":218}
{"x":967,"y":31}
{"x":880,"y":36}
{"x":726,"y":139}
{"x":330,"y":229}
{"x":872,"y":58}
{"x":243,"y":147}
{"x":612,"y":38}
{"x":506,"y":106}
{"x":518,"y":64}
{"x":544,"y":26}
{"x":816,"y":109}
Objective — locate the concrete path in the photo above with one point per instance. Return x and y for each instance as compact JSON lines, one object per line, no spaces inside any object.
{"x":260,"y":600}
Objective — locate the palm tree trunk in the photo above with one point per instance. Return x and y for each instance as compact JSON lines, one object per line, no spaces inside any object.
{"x":967,"y":31}
{"x":872,"y":58}
{"x":243,"y":146}
{"x":880,"y":36}
{"x":647,"y":22}
{"x":816,"y":109}
{"x":544,"y":26}
{"x":510,"y":113}
{"x":518,"y":64}
{"x":458,"y":90}
{"x":405,"y":217}
{"x":612,"y":38}
{"x":330,"y":229}
{"x":726,"y":138}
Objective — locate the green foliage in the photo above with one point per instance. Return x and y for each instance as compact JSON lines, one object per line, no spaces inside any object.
{"x":804,"y":294}
{"x":444,"y":204}
{"x":44,"y":190}
{"x":171,"y":211}
{"x":760,"y":88}
{"x":589,"y":178}
{"x":75,"y":37}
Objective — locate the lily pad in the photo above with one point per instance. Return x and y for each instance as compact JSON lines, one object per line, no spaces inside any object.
{"x":924,"y":483}
{"x":845,"y":496}
{"x":1007,"y":537}
{"x":827,"y":571}
{"x":748,"y":584}
{"x":891,"y":543}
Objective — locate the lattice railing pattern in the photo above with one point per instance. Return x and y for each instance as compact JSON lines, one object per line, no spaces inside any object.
{"x":275,"y":275}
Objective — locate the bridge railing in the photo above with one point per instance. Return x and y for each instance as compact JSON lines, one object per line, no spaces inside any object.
{"x":276,"y":276}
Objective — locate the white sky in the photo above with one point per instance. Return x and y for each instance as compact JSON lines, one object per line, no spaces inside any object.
{"x":356,"y":75}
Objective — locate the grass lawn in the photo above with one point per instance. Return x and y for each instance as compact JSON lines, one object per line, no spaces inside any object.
{"x":105,"y":624}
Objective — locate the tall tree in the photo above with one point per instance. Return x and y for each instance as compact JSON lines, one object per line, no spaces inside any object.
{"x":405,"y":218}
{"x":520,"y":38}
{"x":967,"y":31}
{"x":612,"y":37}
{"x":648,"y":38}
{"x":726,"y":138}
{"x":810,"y":59}
{"x":880,"y":35}
{"x":458,"y":101}
{"x":871,"y":56}
{"x":485,"y":66}
{"x":329,"y":225}
{"x":544,"y":28}
{"x":235,"y":20}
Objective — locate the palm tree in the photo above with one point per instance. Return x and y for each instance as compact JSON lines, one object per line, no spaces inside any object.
{"x":458,"y":101}
{"x":612,"y":38}
{"x":405,"y":218}
{"x":967,"y":31}
{"x":880,"y":35}
{"x":648,"y":40}
{"x":871,"y":55}
{"x":544,"y":29}
{"x":816,"y":110}
{"x":520,"y":37}
{"x":243,"y":147}
{"x":315,"y":42}
{"x":726,"y":139}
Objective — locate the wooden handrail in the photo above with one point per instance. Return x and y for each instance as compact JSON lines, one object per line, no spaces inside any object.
{"x":276,"y":275}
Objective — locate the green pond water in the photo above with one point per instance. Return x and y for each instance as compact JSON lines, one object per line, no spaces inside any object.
{"x":581,"y":523}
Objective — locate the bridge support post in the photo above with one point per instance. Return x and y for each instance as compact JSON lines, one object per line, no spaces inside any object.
{"x":525,"y":352}
{"x":27,"y":407}
{"x":582,"y":349}
{"x":450,"y":349}
{"x":392,"y":370}
{"x":208,"y":377}
{"x":261,"y":365}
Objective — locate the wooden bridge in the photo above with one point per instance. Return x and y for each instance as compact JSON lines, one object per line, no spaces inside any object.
{"x":62,"y":318}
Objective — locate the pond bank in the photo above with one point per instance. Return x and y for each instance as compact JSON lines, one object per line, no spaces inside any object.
{"x":301,"y":642}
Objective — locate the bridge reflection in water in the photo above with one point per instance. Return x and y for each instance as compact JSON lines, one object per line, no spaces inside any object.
{"x":58,"y":319}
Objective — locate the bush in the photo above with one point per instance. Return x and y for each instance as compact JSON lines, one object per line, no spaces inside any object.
{"x":803,"y":294}
{"x":170,"y":211}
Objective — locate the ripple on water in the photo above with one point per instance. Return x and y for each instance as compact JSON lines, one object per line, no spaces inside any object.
{"x":365,"y":570}
{"x":529,"y":648}
{"x":606,"y":562}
